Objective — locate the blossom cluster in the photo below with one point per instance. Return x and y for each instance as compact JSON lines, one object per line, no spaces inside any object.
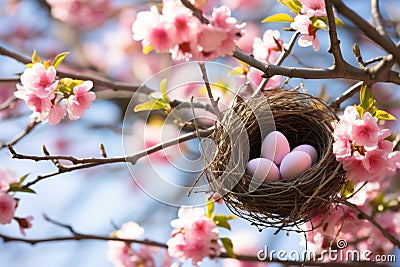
{"x":303,"y":22}
{"x":121,"y":254}
{"x":194,"y":236}
{"x":80,"y":13}
{"x":361,"y":146}
{"x":8,"y":204}
{"x":268,"y":49}
{"x":178,"y":31}
{"x":342,"y":222}
{"x":43,"y":94}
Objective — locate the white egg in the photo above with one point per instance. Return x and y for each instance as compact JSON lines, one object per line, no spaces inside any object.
{"x":294,"y":164}
{"x":310,"y":150}
{"x":275,"y":147}
{"x":263,"y":169}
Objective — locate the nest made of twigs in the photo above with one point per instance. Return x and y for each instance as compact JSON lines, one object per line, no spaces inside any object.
{"x":303,"y":119}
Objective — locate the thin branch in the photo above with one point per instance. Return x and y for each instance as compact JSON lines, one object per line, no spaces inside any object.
{"x":83,"y":163}
{"x":378,"y":20}
{"x":390,"y":237}
{"x":383,"y":41}
{"x":214,"y":102}
{"x":19,"y":137}
{"x":196,"y":12}
{"x":346,"y":95}
{"x":100,"y":81}
{"x":9,"y":80}
{"x":334,"y":48}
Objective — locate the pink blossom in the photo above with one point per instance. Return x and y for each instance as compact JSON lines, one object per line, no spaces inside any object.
{"x":80,"y":100}
{"x":302,"y":23}
{"x":130,"y":230}
{"x":24,"y":223}
{"x":365,"y":131}
{"x":7,"y":208}
{"x":56,"y":114}
{"x":39,"y":81}
{"x":7,"y":177}
{"x":313,"y":8}
{"x":355,"y":170}
{"x":267,"y":49}
{"x":194,"y":236}
{"x":40,"y":106}
{"x":255,"y":76}
{"x":81,"y":13}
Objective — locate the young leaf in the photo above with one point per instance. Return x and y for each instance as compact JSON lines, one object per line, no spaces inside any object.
{"x":360,"y":111}
{"x":347,"y":188}
{"x":366,"y":98}
{"x":16,"y":187}
{"x":163,"y":89}
{"x":228,"y":245}
{"x":280,"y":17}
{"x":383,"y":115}
{"x":222,"y":221}
{"x":339,"y":22}
{"x":150,"y":105}
{"x":210,"y":208}
{"x":319,"y":23}
{"x":35,"y":57}
{"x":59,"y":58}
{"x":293,"y":5}
{"x":22,"y":179}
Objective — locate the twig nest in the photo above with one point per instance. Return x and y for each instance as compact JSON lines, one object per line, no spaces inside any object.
{"x":303,"y":119}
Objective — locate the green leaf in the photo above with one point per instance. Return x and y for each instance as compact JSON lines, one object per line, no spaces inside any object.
{"x":339,"y":22}
{"x":163,"y":89}
{"x":318,"y":23}
{"x":210,"y":208}
{"x":347,"y":188}
{"x":66,"y":85}
{"x":383,"y":115}
{"x":222,"y":221}
{"x":23,"y":178}
{"x":59,"y":58}
{"x":35,"y":57}
{"x":280,"y":17}
{"x":228,"y":245}
{"x":366,"y":98}
{"x":293,"y":5}
{"x":16,"y":187}
{"x":150,"y":105}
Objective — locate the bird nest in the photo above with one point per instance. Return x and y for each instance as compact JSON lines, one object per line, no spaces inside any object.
{"x":303,"y":119}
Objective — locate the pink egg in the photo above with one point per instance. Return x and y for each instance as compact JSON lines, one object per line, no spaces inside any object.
{"x":294,"y":164}
{"x":263,"y":169}
{"x":310,"y":150}
{"x":275,"y":147}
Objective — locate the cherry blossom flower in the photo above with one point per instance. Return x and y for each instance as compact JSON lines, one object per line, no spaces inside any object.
{"x":7,"y":208}
{"x":177,"y":31}
{"x":121,"y":254}
{"x":267,"y":49}
{"x":255,"y":76}
{"x":313,"y":8}
{"x":80,"y":100}
{"x":302,"y":23}
{"x":365,"y":131}
{"x":39,"y":81}
{"x":56,"y":114}
{"x":194,"y":236}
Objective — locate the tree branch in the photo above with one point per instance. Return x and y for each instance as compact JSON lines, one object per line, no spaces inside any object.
{"x":346,"y":95}
{"x":83,"y":163}
{"x":373,"y":222}
{"x":19,"y":137}
{"x":99,"y":81}
{"x":214,"y":102}
{"x":334,"y":48}
{"x":383,"y":41}
{"x":378,"y":20}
